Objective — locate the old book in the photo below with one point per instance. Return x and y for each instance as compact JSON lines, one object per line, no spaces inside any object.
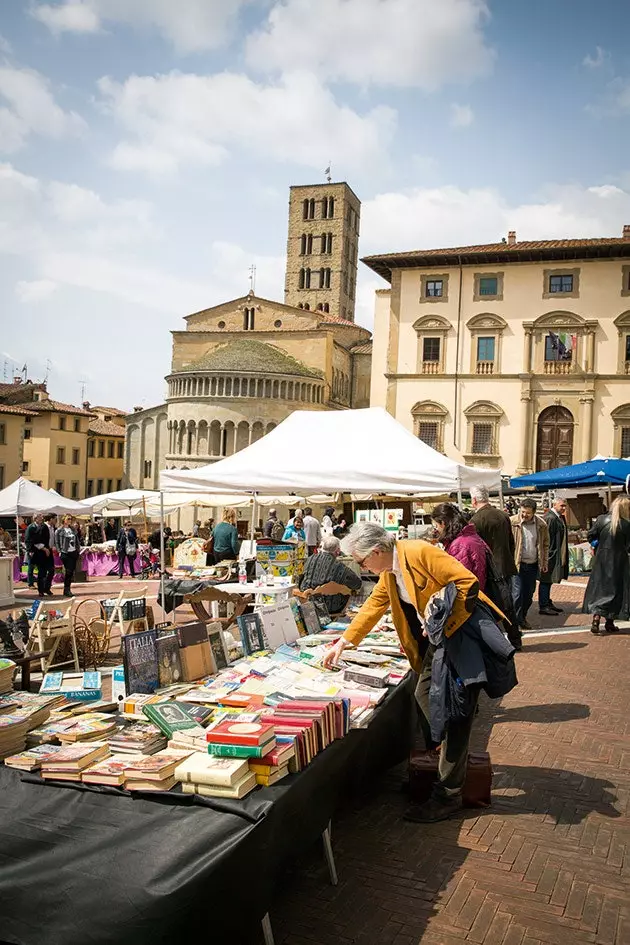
{"x":218,"y":646}
{"x":250,"y":629}
{"x":172,"y":717}
{"x":374,"y":678}
{"x":73,"y":686}
{"x":207,"y":769}
{"x":239,"y":789}
{"x":138,"y":784}
{"x":141,"y":662}
{"x":89,"y":727}
{"x":109,"y":771}
{"x":169,"y":662}
{"x":156,"y":767}
{"x":75,"y":757}
{"x":33,"y":758}
{"x":267,"y":779}
{"x":240,"y":733}
{"x":310,"y":617}
{"x":241,"y":751}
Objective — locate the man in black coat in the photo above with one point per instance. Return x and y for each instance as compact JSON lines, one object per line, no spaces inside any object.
{"x":41,"y":554}
{"x":558,"y":567}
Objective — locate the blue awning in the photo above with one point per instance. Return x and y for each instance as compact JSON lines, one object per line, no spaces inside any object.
{"x":596,"y":472}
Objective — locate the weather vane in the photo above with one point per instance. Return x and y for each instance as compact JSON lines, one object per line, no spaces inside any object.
{"x":327,"y":172}
{"x":252,"y":278}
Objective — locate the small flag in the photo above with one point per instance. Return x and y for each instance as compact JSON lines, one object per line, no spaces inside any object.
{"x":327,"y":171}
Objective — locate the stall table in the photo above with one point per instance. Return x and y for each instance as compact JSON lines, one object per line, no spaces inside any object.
{"x":104,"y":867}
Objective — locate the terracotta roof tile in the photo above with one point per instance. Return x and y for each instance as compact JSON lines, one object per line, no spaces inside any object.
{"x":251,"y":357}
{"x":56,"y":406}
{"x":364,"y":348}
{"x":114,"y":411}
{"x":105,"y":428}
{"x":22,"y":411}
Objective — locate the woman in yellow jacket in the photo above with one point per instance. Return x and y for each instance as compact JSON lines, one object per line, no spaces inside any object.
{"x":410,"y":573}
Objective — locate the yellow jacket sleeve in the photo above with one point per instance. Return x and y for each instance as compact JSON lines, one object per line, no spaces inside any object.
{"x":433,"y":569}
{"x":369,"y":615}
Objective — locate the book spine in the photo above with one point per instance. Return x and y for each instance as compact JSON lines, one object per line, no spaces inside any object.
{"x":235,"y":751}
{"x":247,"y":741}
{"x":82,"y":695}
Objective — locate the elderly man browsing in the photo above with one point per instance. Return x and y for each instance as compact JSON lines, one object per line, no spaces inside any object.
{"x":437,"y":608}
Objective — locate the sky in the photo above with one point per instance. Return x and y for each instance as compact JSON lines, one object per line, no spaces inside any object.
{"x":147,"y":148}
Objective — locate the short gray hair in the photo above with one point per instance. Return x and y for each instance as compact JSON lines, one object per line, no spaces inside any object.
{"x":366,"y":537}
{"x":331,"y":544}
{"x":480,"y":493}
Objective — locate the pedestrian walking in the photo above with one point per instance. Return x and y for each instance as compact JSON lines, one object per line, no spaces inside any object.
{"x":126,"y":549}
{"x":50,"y":522}
{"x":68,"y":545}
{"x":608,"y":590}
{"x":29,"y":544}
{"x":558,"y":564}
{"x":531,"y":552}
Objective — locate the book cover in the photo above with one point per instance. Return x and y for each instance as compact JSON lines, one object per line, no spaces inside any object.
{"x":208,"y":769}
{"x":239,"y":789}
{"x":141,"y":662}
{"x":32,"y":758}
{"x":169,"y":662}
{"x":202,"y":714}
{"x":297,"y":616}
{"x":250,"y":628}
{"x":241,"y":751}
{"x":310,"y":617}
{"x":109,"y":771}
{"x":218,"y":647}
{"x":190,"y":634}
{"x":240,"y":733}
{"x":71,"y":757}
{"x":171,"y":717}
{"x":158,"y":766}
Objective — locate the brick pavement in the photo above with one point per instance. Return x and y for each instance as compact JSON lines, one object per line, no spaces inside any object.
{"x":547,"y":863}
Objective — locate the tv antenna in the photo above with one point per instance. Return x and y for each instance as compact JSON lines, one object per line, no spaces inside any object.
{"x":83,"y":392}
{"x":48,"y":370}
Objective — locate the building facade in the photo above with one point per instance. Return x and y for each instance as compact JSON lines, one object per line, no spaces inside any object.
{"x":512,"y":355}
{"x":241,"y":367}
{"x":58,"y":440}
{"x":323,"y":249}
{"x":13,"y":423}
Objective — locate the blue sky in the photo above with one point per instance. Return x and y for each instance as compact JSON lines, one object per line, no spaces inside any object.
{"x":147,"y":148}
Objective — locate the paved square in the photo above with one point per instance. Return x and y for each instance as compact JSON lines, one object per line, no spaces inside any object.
{"x":547,"y":863}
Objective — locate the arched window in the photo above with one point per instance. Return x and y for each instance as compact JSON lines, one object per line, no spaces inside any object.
{"x":307,"y":306}
{"x":303,"y":244}
{"x":308,"y":209}
{"x":324,"y":278}
{"x":248,"y":319}
{"x":326,"y":307}
{"x":328,"y":208}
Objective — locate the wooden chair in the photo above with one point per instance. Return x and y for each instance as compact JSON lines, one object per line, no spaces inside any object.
{"x":214,"y":596}
{"x":118,"y":625}
{"x":51,"y":632}
{"x":330,"y":589}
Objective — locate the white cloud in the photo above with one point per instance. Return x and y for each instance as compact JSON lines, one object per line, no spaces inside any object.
{"x":31,"y":109}
{"x":190,"y":25}
{"x":462,"y":116}
{"x":5,"y":45}
{"x":36,"y":291}
{"x":598,"y":60}
{"x":419,"y":43}
{"x":179,"y":119}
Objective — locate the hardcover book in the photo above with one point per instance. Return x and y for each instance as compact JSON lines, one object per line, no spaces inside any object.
{"x":241,"y":751}
{"x":169,"y":662}
{"x":207,"y":769}
{"x":171,"y":717}
{"x":141,"y":661}
{"x":239,"y":789}
{"x":218,"y":647}
{"x":250,"y":628}
{"x":240,"y":733}
{"x":156,"y":767}
{"x":310,"y":617}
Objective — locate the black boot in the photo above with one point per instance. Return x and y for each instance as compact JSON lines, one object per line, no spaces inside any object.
{"x":609,"y":626}
{"x":595,"y":628}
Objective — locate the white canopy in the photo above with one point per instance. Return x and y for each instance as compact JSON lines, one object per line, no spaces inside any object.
{"x":335,"y":451}
{"x":24,"y":497}
{"x":125,"y":499}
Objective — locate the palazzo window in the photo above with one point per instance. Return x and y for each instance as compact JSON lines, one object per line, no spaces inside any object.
{"x":623,"y":329}
{"x":306,"y":244}
{"x":483,"y":419}
{"x":308,"y":209}
{"x":621,"y":436}
{"x":428,"y":423}
{"x":565,"y":282}
{"x":434,"y":287}
{"x":432,"y":333}
{"x":328,"y":208}
{"x":488,"y":286}
{"x":324,"y":278}
{"x":305,"y":279}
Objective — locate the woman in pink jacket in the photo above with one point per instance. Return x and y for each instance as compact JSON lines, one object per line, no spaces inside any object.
{"x":461,"y":540}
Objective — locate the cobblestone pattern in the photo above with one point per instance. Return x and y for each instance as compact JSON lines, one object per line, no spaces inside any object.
{"x":547,"y":863}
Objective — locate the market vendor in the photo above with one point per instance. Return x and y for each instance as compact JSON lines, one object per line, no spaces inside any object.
{"x":411,"y":573}
{"x":324,"y":567}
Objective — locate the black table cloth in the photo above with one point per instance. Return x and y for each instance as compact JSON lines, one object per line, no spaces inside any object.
{"x":85,"y":867}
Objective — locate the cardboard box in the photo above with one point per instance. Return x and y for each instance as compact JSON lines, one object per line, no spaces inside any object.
{"x":197,"y":661}
{"x":190,"y":634}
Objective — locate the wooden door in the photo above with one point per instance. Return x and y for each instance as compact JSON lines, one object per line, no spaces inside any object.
{"x":555,"y":438}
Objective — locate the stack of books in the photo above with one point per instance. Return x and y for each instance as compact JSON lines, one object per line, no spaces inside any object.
{"x":111,"y":771}
{"x":90,"y":727}
{"x":68,"y":763}
{"x":33,"y":758}
{"x":174,"y":721}
{"x":275,"y":765}
{"x":154,"y":773}
{"x":215,"y":777}
{"x":133,"y":705}
{"x":138,"y":738}
{"x":7,"y":668}
{"x":13,"y":729}
{"x":229,"y":739}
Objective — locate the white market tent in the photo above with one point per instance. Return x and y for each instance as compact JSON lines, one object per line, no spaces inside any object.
{"x":24,"y":497}
{"x":360,"y":451}
{"x":124,"y":499}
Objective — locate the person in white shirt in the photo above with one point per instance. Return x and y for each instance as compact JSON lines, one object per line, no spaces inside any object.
{"x":312,"y":529}
{"x":531,"y":554}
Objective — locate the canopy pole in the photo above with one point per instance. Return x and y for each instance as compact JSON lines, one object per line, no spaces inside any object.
{"x":609,"y":496}
{"x":501,"y":500}
{"x":252,"y":530}
{"x":162,"y":549}
{"x":17,"y":533}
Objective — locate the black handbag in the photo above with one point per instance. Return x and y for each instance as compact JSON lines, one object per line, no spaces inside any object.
{"x":499,"y":592}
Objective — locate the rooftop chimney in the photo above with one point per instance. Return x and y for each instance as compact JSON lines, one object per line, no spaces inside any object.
{"x":511,"y":237}
{"x":86,"y":404}
{"x":626,"y":231}
{"x":138,"y":409}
